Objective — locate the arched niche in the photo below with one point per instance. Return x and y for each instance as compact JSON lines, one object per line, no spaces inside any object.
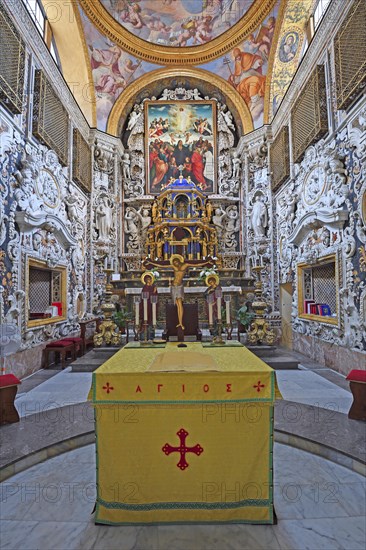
{"x":152,"y":85}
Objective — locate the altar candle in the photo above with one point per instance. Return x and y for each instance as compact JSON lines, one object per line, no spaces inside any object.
{"x":154,"y":313}
{"x":145,"y":308}
{"x":219,"y":308}
{"x":112,"y":263}
{"x":227,"y":312}
{"x":210,"y":313}
{"x":106,"y":263}
{"x":137,"y":313}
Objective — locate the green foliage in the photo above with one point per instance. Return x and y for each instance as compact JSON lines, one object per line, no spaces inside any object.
{"x":121,"y":317}
{"x":244,"y":316}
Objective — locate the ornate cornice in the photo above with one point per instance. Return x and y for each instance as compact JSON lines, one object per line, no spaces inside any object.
{"x":165,"y":55}
{"x":107,"y":139}
{"x":332,"y":219}
{"x":27,"y":222}
{"x":119,"y":108}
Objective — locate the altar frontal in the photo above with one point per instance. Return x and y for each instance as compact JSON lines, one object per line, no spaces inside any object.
{"x":184,"y":435}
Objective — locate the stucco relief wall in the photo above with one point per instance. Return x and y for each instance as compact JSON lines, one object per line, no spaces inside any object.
{"x":321,"y":211}
{"x":43,"y":216}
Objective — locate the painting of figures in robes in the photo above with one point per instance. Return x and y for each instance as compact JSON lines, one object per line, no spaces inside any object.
{"x":246,"y":66}
{"x":177,"y":23}
{"x":180,"y":138}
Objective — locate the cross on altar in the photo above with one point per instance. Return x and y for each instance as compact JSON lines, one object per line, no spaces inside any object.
{"x":258,"y":386}
{"x":182,"y":449}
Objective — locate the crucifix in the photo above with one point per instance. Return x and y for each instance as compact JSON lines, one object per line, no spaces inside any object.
{"x":180,"y":267}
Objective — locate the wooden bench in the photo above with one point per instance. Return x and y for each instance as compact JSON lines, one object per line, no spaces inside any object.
{"x":78,"y":343}
{"x":357,"y":384}
{"x":60,"y":348}
{"x":8,"y":390}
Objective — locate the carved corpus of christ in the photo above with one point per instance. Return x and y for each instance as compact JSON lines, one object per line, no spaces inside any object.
{"x":180,"y":266}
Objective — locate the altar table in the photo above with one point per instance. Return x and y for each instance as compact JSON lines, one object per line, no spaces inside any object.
{"x":184,"y":435}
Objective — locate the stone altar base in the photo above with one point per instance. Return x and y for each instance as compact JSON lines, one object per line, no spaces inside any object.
{"x":93,"y":359}
{"x":276,"y":359}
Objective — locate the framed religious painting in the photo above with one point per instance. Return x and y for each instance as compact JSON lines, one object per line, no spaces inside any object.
{"x":180,"y":137}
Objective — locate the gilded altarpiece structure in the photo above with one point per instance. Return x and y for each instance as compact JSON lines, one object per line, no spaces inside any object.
{"x":200,"y":216}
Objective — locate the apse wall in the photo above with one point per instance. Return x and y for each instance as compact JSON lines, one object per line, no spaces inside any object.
{"x":58,"y":182}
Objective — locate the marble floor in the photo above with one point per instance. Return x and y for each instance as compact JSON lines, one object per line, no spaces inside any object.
{"x":60,"y":389}
{"x":319,"y":505}
{"x":311,"y":388}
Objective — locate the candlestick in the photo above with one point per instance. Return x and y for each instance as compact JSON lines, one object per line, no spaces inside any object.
{"x":137,"y":310}
{"x":218,"y":294}
{"x":154,"y":300}
{"x":227,"y":304}
{"x":145,"y":297}
{"x":219,"y":309}
{"x":154,"y":314}
{"x":210,"y":313}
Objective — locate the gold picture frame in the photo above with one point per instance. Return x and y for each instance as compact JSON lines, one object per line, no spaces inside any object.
{"x":331,"y":259}
{"x":42,"y":265}
{"x":174,"y":132}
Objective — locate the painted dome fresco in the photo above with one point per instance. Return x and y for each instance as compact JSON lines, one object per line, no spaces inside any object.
{"x":177,"y":23}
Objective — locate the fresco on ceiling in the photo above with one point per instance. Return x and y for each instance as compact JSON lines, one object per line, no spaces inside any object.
{"x":289,"y":49}
{"x":177,"y":23}
{"x":245,"y":67}
{"x":112,"y":69}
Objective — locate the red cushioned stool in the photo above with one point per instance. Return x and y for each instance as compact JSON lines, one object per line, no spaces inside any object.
{"x":78,"y":344}
{"x":60,"y":348}
{"x":357,"y":384}
{"x":8,"y":390}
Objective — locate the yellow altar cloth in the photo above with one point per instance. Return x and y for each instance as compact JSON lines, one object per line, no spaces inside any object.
{"x":184,"y":435}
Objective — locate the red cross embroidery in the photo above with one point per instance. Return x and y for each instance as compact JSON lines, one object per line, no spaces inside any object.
{"x":259,"y":386}
{"x":108,"y":388}
{"x":182,"y":449}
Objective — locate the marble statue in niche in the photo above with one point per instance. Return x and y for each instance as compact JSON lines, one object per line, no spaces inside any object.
{"x":259,"y":217}
{"x":104,"y":218}
{"x":126,"y":166}
{"x":236,"y":163}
